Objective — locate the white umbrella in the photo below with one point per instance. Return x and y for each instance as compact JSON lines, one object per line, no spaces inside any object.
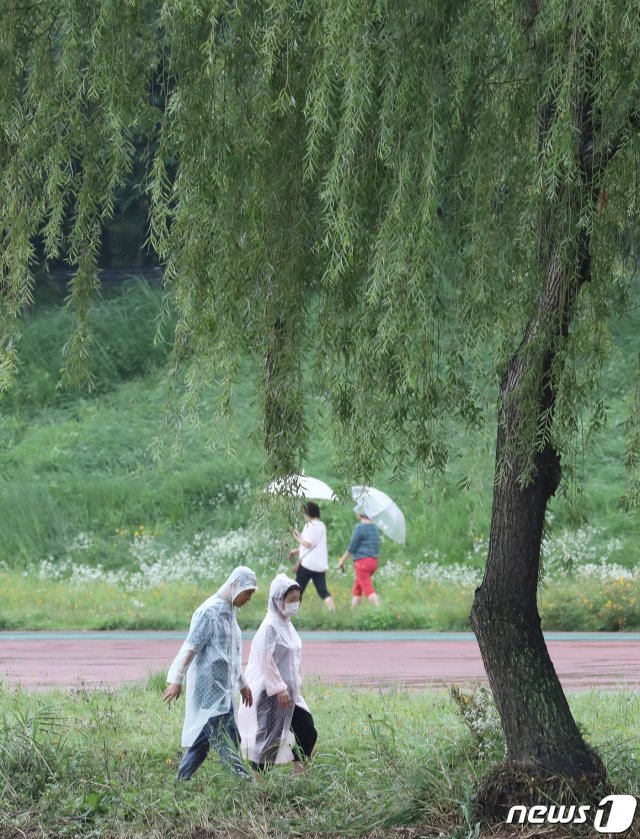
{"x":302,"y":486}
{"x":382,"y":510}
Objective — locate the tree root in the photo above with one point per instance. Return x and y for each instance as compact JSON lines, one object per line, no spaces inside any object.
{"x":511,"y":783}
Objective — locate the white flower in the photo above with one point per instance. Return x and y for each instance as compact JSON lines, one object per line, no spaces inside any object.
{"x":464,"y":576}
{"x":204,"y":559}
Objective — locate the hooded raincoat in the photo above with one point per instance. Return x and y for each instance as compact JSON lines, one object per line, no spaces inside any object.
{"x":215,"y":672}
{"x":274,"y":666}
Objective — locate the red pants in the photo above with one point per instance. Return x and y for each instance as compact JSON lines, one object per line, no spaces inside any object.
{"x":365,"y":568}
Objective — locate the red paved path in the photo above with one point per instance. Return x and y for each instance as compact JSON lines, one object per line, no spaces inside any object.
{"x":41,"y":660}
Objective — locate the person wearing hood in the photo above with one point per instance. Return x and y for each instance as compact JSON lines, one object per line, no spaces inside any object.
{"x":277,"y":727}
{"x":212,"y":655}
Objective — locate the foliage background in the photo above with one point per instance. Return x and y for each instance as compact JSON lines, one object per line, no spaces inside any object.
{"x":97,"y":532}
{"x":296,"y":192}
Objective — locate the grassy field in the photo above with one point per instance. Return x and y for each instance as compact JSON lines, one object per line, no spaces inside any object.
{"x":96,"y":532}
{"x":30,"y":603}
{"x":102,"y":763}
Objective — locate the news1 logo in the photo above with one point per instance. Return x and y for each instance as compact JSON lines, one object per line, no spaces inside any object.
{"x":615,"y":818}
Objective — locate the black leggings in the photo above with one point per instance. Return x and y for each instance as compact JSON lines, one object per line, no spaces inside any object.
{"x":305,"y":733}
{"x":303,"y":575}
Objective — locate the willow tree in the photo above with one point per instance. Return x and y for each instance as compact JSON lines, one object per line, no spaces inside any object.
{"x":387,"y":206}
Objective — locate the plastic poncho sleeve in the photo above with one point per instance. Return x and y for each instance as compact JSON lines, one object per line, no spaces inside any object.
{"x":177,"y":671}
{"x":200,"y":632}
{"x":273,"y":681}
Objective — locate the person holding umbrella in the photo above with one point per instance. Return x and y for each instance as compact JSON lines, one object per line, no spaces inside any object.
{"x":376,"y":511}
{"x":312,"y":555}
{"x":364,"y":547}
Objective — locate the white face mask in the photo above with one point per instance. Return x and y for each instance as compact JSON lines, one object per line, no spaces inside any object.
{"x":291,"y":608}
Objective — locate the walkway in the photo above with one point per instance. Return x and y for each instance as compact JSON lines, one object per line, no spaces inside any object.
{"x":39,"y":660}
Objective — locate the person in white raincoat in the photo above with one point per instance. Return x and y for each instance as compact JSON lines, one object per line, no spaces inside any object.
{"x":212,"y":654}
{"x":277,"y":727}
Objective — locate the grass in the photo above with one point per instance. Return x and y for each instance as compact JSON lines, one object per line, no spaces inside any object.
{"x":102,"y":763}
{"x":56,"y":605}
{"x":28,"y":603}
{"x":92,"y":524}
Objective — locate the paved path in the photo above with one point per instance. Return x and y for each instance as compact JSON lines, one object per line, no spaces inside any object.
{"x":40,"y":660}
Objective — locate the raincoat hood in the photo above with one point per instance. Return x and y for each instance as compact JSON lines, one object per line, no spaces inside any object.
{"x":280,"y":585}
{"x":241,"y":579}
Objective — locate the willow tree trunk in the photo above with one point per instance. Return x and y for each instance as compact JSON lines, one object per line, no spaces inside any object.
{"x":540,"y":732}
{"x":539,"y":729}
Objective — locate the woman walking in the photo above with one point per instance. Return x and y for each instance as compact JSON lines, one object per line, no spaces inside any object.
{"x":277,"y":727}
{"x":312,"y":555}
{"x":212,"y":655}
{"x":364,"y":547}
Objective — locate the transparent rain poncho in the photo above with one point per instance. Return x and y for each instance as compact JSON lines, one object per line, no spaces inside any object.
{"x":274,"y":666}
{"x":215,"y":672}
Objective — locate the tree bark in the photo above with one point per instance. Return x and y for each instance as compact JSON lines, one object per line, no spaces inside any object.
{"x":539,"y":729}
{"x":540,"y":732}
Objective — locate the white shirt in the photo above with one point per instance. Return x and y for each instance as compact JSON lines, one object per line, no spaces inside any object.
{"x":316,"y":557}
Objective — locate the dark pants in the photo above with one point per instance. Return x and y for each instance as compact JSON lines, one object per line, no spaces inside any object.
{"x":221,"y":733}
{"x":305,"y":733}
{"x":303,"y":575}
